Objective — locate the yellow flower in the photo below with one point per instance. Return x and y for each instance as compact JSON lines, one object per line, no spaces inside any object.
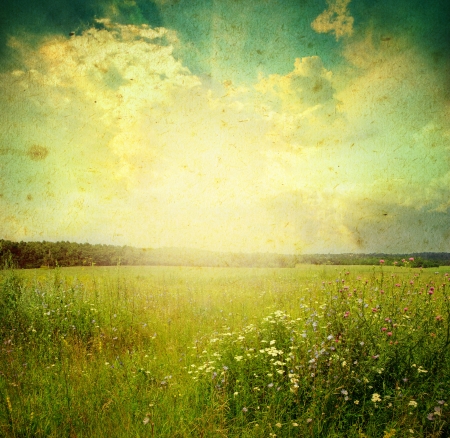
{"x":376,"y":397}
{"x":8,"y":402}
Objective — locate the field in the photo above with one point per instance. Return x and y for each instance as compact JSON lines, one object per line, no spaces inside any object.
{"x":315,"y":351}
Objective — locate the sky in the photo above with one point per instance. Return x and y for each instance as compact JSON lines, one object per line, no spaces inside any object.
{"x":287,"y":126}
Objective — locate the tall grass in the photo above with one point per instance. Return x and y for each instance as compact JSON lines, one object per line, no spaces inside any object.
{"x":189,"y":352}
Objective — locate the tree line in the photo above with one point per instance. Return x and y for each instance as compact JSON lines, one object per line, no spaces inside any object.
{"x":26,"y":255}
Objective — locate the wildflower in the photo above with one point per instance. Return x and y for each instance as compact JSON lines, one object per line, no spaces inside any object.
{"x":441,"y":402}
{"x":411,"y":259}
{"x":270,"y":385}
{"x":244,"y":409}
{"x":438,"y":410}
{"x":235,"y":394}
{"x":278,"y":425}
{"x":430,"y":417}
{"x":374,"y":310}
{"x":376,"y":397}
{"x":356,"y":402}
{"x":383,"y":329}
{"x":146,"y":420}
{"x":381,"y":261}
{"x":343,"y":391}
{"x":389,"y":333}
{"x":413,"y":403}
{"x":238,"y":358}
{"x":309,"y":420}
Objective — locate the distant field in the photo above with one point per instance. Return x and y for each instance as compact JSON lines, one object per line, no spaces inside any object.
{"x":316,"y":351}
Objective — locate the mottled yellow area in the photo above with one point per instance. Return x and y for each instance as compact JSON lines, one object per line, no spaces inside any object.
{"x":109,"y":137}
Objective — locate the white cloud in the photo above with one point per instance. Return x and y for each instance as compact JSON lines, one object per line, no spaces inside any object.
{"x":335,"y":19}
{"x":301,"y":105}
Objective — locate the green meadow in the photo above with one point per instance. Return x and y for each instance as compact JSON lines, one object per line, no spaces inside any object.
{"x":315,"y":351}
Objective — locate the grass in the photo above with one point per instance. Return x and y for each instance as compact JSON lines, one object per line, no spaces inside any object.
{"x":223,"y":352}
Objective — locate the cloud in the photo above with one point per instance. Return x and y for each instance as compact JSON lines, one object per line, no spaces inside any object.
{"x":335,"y":19}
{"x":44,"y":19}
{"x":301,"y":105}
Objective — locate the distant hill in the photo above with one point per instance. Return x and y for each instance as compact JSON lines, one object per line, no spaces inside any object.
{"x":51,"y":254}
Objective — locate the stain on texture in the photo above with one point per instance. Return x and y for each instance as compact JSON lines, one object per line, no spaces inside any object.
{"x":37,"y":153}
